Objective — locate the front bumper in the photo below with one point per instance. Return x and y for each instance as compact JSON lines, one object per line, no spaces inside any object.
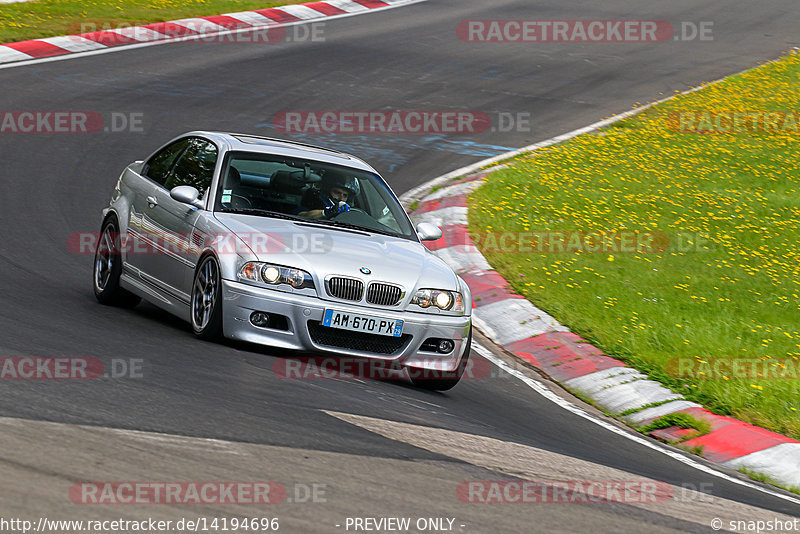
{"x":240,"y":300}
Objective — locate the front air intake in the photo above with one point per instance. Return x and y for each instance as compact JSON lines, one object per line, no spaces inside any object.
{"x":384,"y":294}
{"x":345,"y":288}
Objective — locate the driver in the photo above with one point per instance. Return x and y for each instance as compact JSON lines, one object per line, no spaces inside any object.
{"x":338,"y":192}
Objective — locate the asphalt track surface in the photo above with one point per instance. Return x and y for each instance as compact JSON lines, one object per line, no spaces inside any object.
{"x":407,"y":58}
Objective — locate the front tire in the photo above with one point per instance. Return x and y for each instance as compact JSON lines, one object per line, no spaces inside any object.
{"x":207,"y":300}
{"x":445,"y":380}
{"x":108,"y":269}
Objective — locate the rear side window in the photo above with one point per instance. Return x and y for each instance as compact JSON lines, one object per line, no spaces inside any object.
{"x":161,"y":163}
{"x":195,"y":167}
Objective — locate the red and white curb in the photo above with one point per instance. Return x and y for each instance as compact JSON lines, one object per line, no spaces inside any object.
{"x":188,"y":29}
{"x":516,"y":325}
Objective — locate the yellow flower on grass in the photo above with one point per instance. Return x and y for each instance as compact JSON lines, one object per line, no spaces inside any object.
{"x":725,"y":211}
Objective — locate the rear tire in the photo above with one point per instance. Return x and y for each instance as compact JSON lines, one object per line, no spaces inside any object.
{"x":445,"y":380}
{"x":108,"y":269}
{"x":206,"y":306}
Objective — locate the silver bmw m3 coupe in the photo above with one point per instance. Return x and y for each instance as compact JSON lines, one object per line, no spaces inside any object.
{"x":285,"y":245}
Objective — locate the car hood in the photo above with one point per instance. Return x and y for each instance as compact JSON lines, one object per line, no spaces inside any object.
{"x":339,"y":251}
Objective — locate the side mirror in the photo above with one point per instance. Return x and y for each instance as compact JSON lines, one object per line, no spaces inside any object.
{"x":428,"y":232}
{"x":186,"y":194}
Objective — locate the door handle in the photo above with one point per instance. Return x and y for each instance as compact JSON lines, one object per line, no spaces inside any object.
{"x":152,"y":201}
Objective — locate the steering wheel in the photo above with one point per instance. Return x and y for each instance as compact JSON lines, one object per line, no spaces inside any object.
{"x":351,"y":211}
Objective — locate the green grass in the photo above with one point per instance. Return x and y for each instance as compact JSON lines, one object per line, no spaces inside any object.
{"x":680,"y":420}
{"x":640,"y":408}
{"x":697,"y":450}
{"x":48,"y":18}
{"x":766,"y":479}
{"x":733,"y":296}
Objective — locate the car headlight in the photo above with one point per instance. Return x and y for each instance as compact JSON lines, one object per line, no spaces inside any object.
{"x":266,"y":273}
{"x":271,"y":274}
{"x":439,"y":299}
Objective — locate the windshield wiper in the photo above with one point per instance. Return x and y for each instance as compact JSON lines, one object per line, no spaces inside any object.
{"x":266,"y":213}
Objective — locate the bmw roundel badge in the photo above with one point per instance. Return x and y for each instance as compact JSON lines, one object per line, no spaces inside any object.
{"x":365,"y":270}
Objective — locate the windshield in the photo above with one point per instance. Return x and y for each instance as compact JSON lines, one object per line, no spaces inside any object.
{"x":308,"y":190}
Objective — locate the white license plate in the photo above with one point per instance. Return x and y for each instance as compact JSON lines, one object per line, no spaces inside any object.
{"x":363,"y":323}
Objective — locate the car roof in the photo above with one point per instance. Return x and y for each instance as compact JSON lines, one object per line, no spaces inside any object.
{"x":267,"y":145}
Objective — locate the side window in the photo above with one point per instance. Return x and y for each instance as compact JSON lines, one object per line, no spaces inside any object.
{"x":196,"y":166}
{"x":160,"y":164}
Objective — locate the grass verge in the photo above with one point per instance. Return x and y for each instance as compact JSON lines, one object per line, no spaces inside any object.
{"x":48,"y":18}
{"x":670,"y":240}
{"x":766,"y":479}
{"x":680,"y":420}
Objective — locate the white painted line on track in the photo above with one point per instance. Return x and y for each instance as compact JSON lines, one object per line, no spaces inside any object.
{"x":73,"y":43}
{"x":510,"y":320}
{"x":348,"y":5}
{"x":443,"y":216}
{"x":199,"y":25}
{"x":10,"y":53}
{"x":455,"y":190}
{"x":620,"y":389}
{"x":139,"y":33}
{"x":781,"y":462}
{"x":637,"y":418}
{"x":463,"y":258}
{"x":131,"y":46}
{"x":416,"y":192}
{"x":301,"y":11}
{"x":539,"y":388}
{"x":251,"y":17}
